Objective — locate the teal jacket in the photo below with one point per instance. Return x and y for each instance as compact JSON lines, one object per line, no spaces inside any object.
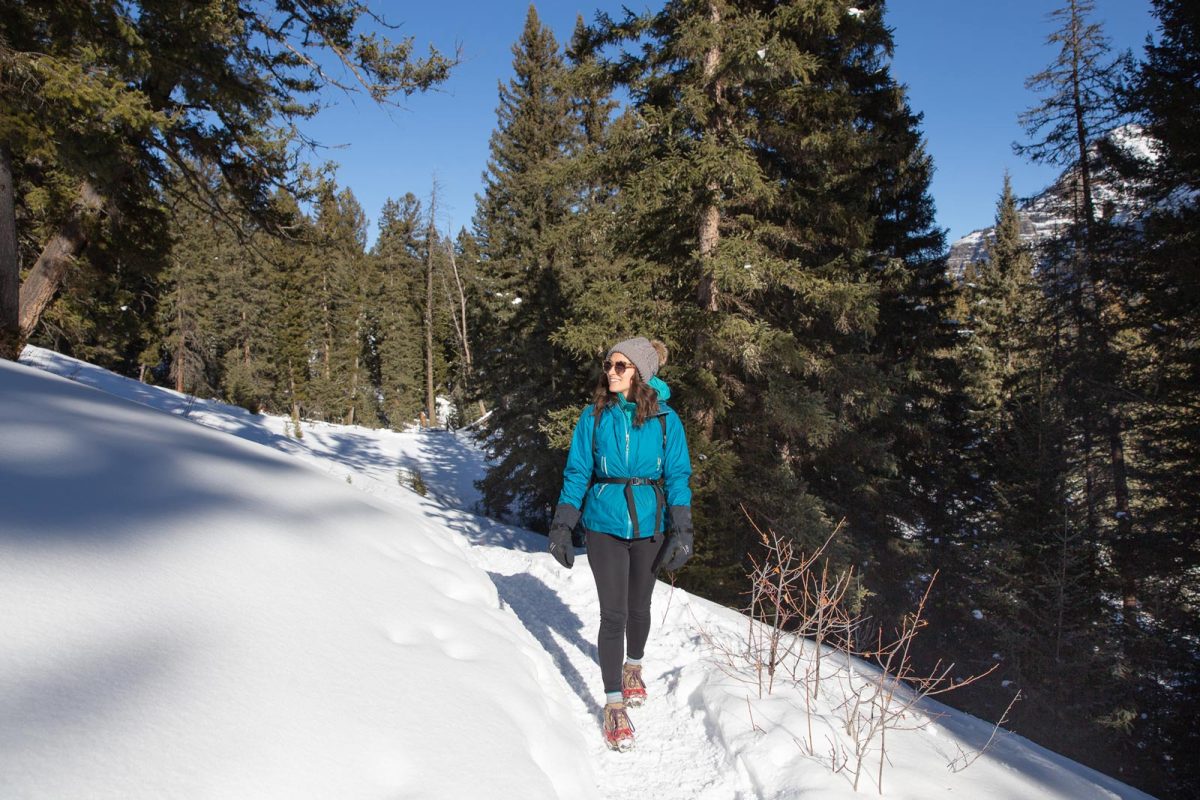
{"x":616,"y":448}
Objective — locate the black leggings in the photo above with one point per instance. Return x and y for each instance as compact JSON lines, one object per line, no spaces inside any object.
{"x":624,"y":583}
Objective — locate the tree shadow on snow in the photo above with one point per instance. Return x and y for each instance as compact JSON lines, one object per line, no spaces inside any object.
{"x":480,"y":530}
{"x":550,"y":620}
{"x":79,"y":464}
{"x":448,"y":464}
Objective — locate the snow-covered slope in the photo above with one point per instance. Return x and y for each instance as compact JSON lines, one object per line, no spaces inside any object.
{"x":185,"y":614}
{"x":1048,"y":214}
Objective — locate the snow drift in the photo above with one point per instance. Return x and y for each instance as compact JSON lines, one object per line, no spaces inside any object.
{"x":190,"y":615}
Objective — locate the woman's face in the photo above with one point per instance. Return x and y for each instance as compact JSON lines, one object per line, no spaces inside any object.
{"x":619,"y":371}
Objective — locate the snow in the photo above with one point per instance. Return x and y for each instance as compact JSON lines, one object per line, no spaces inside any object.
{"x":209,"y":610}
{"x":1047,"y":215}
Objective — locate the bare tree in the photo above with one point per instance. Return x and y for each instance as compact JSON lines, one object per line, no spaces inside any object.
{"x":430,"y":240}
{"x":459,"y":317}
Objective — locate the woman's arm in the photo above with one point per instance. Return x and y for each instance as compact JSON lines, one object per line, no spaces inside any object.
{"x":677,"y":463}
{"x":578,"y":472}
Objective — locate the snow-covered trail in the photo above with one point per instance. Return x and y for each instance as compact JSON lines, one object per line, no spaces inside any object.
{"x":676,"y":755}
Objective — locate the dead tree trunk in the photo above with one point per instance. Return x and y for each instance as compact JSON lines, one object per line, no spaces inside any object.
{"x":430,"y":402}
{"x":10,"y":268}
{"x":65,"y":245}
{"x":461,"y":323}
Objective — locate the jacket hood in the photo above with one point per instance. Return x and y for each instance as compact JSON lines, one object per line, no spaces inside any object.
{"x":659,"y":385}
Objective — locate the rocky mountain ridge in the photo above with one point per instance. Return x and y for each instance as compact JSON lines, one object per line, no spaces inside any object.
{"x":1048,"y":214}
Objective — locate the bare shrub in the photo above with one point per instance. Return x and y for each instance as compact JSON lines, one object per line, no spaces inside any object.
{"x":888,"y":700}
{"x":803,"y":634}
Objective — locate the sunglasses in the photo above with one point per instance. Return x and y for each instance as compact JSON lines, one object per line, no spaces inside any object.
{"x":618,"y":367}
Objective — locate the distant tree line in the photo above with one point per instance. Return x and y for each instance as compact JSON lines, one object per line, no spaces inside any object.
{"x":758,"y":199}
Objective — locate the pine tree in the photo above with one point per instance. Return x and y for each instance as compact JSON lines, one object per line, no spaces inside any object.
{"x":187,"y":311}
{"x":1159,"y":268}
{"x":294,"y":316}
{"x":1023,"y":560}
{"x":518,"y":226}
{"x":397,"y":326}
{"x":775,"y":197}
{"x":1080,"y":103}
{"x":340,"y":287}
{"x":243,"y":289}
{"x":161,"y":87}
{"x":1003,"y":314}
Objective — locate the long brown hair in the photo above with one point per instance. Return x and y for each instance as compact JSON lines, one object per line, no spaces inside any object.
{"x":645,"y":397}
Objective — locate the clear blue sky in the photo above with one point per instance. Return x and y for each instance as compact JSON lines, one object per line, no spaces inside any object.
{"x":964,"y":63}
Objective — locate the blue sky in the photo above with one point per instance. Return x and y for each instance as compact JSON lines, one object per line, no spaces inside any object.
{"x":964,"y":63}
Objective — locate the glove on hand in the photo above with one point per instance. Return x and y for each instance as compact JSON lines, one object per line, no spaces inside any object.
{"x":679,"y":545}
{"x":565,"y":518}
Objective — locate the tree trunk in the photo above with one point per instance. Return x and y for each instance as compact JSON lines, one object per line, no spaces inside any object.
{"x":353,"y":392}
{"x":246,"y":340}
{"x":326,"y":314}
{"x":295,"y":405}
{"x":354,"y":380}
{"x":1081,"y":132}
{"x":1102,"y":302}
{"x":430,"y":403}
{"x":709,"y":225}
{"x":47,"y":275}
{"x":710,"y":237}
{"x":10,"y":268}
{"x":464,"y":340}
{"x":181,"y":351}
{"x":709,"y":232}
{"x":461,"y":324}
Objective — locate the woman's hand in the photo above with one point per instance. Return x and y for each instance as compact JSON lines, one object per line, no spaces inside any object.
{"x":565,"y":518}
{"x":680,"y":542}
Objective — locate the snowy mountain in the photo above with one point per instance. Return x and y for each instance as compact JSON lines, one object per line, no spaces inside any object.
{"x":193,"y":604}
{"x":1048,"y":214}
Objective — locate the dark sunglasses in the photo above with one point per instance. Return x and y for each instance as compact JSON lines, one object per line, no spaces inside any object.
{"x":618,"y":367}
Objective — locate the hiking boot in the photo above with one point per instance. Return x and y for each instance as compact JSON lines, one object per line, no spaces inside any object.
{"x":633,"y":688}
{"x":618,"y":730}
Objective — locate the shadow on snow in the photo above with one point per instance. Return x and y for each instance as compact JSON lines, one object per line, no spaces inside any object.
{"x":552,"y":623}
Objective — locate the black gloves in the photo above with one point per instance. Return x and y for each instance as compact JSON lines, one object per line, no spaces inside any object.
{"x":566,"y":516}
{"x":678,"y":548}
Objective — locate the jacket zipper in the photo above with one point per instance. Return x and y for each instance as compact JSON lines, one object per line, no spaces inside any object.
{"x":629,"y":521}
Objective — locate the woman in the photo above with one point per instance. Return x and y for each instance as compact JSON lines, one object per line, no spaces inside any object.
{"x":628,"y":471}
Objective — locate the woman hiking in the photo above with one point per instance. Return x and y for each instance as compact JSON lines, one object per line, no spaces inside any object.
{"x":627,"y":475}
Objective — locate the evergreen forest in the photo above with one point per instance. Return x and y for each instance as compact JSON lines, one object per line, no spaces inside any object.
{"x":744,"y":180}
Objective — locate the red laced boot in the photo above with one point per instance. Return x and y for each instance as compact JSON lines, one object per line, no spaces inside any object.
{"x":618,"y":730}
{"x":633,"y":688}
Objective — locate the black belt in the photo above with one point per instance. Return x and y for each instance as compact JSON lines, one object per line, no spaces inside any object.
{"x":659,"y":498}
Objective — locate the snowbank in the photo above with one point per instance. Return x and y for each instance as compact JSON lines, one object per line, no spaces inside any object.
{"x":187,"y":614}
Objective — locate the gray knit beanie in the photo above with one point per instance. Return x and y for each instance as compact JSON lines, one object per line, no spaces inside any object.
{"x":642,"y":352}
